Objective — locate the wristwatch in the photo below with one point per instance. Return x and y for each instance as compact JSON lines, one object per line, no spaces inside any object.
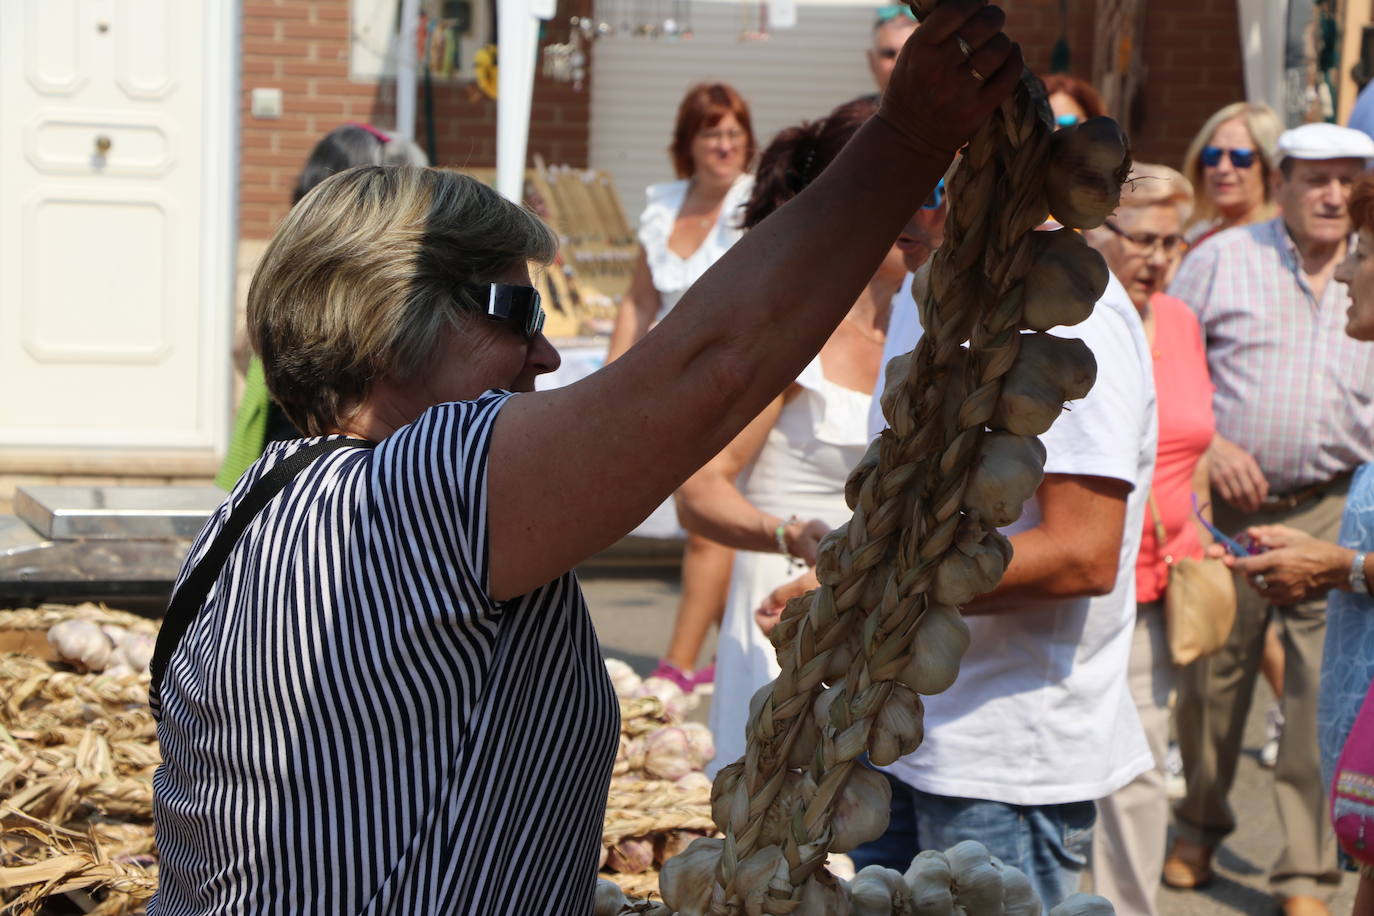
{"x":1358,"y":583}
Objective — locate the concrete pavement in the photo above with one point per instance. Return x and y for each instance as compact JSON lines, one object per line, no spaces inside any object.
{"x":634,"y":612}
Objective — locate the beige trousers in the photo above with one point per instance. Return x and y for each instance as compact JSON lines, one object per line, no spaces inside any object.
{"x":1133,"y":822}
{"x":1214,"y":700}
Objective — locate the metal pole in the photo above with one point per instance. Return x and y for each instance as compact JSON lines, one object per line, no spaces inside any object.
{"x":405,"y":69}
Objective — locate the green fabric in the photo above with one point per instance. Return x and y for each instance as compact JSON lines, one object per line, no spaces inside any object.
{"x":250,"y":428}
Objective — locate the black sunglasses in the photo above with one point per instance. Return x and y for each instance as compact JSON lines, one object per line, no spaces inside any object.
{"x":1241,"y":158}
{"x":519,"y":304}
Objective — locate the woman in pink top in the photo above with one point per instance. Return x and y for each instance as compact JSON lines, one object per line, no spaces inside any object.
{"x":1142,"y":243}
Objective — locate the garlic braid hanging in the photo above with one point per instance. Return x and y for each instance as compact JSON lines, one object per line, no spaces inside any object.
{"x":884,"y":627}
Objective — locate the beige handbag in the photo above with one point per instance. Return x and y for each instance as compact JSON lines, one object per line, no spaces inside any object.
{"x":1199,"y":603}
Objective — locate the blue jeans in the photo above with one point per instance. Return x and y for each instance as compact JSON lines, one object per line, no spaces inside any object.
{"x":1048,"y":842}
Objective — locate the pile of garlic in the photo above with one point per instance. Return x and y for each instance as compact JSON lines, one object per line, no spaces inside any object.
{"x":962,"y":881}
{"x":97,"y":647}
{"x":660,"y":797}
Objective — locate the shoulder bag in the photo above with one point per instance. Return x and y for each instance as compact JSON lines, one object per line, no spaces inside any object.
{"x":1199,"y":601}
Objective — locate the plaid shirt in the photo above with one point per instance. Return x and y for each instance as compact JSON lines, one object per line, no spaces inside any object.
{"x":1291,"y":388}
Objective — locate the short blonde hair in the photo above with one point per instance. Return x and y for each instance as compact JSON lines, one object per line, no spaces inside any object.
{"x":367,"y":271}
{"x":1264,"y":127}
{"x":1151,"y":184}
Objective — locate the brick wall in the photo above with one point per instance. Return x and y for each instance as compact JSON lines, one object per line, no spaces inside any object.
{"x":1191,"y":53}
{"x":302,"y":48}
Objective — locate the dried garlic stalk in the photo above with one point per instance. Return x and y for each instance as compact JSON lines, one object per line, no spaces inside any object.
{"x":955,"y":464}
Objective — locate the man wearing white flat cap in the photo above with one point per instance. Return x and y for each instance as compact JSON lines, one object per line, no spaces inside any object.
{"x":1291,"y":427}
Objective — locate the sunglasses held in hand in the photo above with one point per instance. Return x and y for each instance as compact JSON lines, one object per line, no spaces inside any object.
{"x":1240,"y":157}
{"x":1242,"y":545}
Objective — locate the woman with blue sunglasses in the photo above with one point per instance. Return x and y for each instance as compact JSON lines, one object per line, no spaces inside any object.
{"x":1230,"y":162}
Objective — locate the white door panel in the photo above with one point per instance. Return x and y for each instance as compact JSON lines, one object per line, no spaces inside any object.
{"x":112,"y":322}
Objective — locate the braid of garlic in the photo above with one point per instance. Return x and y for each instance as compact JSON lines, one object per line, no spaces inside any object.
{"x":883,"y":626}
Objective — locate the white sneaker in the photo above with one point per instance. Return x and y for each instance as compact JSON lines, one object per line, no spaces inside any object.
{"x":1273,"y":733}
{"x":1175,"y":786}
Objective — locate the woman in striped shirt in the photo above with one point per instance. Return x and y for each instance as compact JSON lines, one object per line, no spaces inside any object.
{"x":385,"y":694}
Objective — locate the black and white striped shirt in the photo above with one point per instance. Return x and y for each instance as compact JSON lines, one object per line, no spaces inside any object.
{"x":351,"y":725}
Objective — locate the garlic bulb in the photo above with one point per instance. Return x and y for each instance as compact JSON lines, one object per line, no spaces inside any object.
{"x":755,"y":874}
{"x":961,"y":577}
{"x":1018,"y":897}
{"x":81,"y":642}
{"x":1005,"y":474}
{"x":860,"y":810}
{"x":899,"y":727}
{"x":632,"y":855}
{"x":135,"y":650}
{"x":623,"y":678}
{"x":879,"y":891}
{"x":688,"y":879}
{"x":622,"y":757}
{"x":941,"y":641}
{"x":977,"y":881}
{"x":701,"y":747}
{"x":931,"y":884}
{"x":695,"y":781}
{"x":1088,"y":162}
{"x":674,"y":842}
{"x":823,"y":895}
{"x":667,"y":753}
{"x":1084,"y":905}
{"x":1048,"y":371}
{"x":1067,"y":279}
{"x":675,"y":702}
{"x":610,"y":899}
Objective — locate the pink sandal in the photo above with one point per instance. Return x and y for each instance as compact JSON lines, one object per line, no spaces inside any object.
{"x":688,"y":681}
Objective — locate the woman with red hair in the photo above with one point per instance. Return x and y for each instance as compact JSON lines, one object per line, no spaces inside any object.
{"x":686,"y":225}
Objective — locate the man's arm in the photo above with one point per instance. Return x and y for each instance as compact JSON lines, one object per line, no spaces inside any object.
{"x":1074,"y":551}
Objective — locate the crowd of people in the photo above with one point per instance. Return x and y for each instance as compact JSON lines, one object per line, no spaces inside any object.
{"x":1231,"y":398}
{"x":393,"y":318}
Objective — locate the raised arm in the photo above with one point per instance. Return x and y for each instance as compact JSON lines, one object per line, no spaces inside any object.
{"x":635,"y":313}
{"x":574,"y":469}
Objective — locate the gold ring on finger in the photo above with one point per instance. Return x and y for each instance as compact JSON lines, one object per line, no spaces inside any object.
{"x":964,"y":46}
{"x":976,"y":75}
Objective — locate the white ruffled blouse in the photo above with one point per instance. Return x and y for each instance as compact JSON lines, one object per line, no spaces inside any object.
{"x":673,"y":274}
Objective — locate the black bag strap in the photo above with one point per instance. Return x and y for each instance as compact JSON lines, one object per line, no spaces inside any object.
{"x":186,"y":602}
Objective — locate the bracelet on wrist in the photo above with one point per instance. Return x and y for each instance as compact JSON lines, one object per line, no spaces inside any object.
{"x":1358,"y":583}
{"x":780,"y":534}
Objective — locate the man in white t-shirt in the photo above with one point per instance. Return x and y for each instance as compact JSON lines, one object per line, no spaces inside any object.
{"x":1040,"y":722}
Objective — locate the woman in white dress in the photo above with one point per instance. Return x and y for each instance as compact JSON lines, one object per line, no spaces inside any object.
{"x":686,"y":225}
{"x":779,"y":486}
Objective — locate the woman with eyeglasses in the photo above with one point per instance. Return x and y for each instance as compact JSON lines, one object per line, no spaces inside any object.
{"x":1230,"y":163}
{"x":686,"y":226}
{"x":1141,"y":243}
{"x":378,"y":688}
{"x":775,"y":491}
